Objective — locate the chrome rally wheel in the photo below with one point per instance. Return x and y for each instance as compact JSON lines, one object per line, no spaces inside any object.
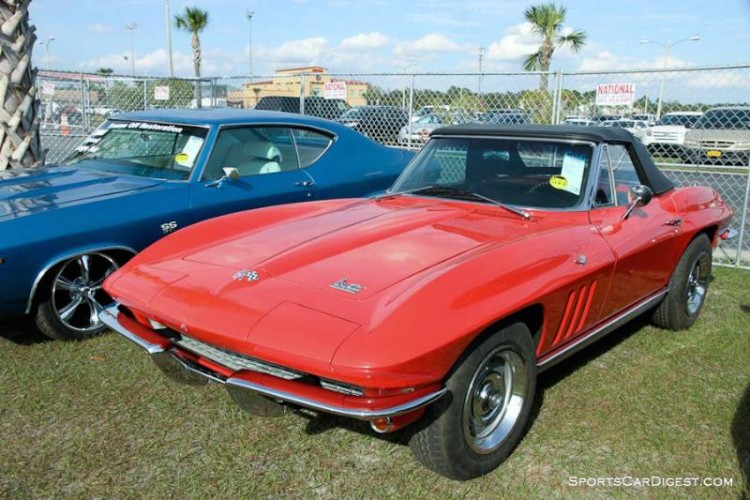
{"x":477,"y":424}
{"x":74,"y":297}
{"x":495,"y":399}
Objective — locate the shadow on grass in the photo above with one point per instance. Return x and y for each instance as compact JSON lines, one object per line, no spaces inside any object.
{"x":319,"y":423}
{"x":20,"y":332}
{"x":745,"y":308}
{"x":741,"y":437}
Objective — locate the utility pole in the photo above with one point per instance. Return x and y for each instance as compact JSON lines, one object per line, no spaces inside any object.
{"x":46,"y":51}
{"x":481,"y":60}
{"x":132,"y":27}
{"x":169,"y":39}
{"x":667,"y":48}
{"x":249,"y":14}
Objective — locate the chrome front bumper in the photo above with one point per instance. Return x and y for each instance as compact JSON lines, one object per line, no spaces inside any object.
{"x":245,"y":392}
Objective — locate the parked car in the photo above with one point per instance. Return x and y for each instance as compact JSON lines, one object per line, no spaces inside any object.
{"x":580,"y":122}
{"x":668,"y":135}
{"x":507,"y":117}
{"x":72,"y":114}
{"x":418,"y":132}
{"x":644,"y":117}
{"x":63,"y":229}
{"x":381,"y":123}
{"x":635,"y":127}
{"x":720,"y":136}
{"x":605,"y":118}
{"x":500,"y":251}
{"x":429,"y":110}
{"x":330,"y":109}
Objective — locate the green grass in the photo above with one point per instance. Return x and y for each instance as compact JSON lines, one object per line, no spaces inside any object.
{"x":97,"y":419}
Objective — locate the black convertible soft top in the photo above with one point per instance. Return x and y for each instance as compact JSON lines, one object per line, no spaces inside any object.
{"x":656,"y":180}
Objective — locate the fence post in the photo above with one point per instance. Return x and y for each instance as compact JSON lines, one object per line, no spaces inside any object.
{"x":302,"y":94}
{"x":145,"y":96}
{"x":743,"y":219}
{"x":555,"y":99}
{"x":411,"y":110}
{"x":213,"y":92}
{"x":561,"y":78}
{"x":84,"y":108}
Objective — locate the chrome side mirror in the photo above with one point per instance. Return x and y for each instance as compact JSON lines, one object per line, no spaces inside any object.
{"x":640,"y":195}
{"x":230,"y":173}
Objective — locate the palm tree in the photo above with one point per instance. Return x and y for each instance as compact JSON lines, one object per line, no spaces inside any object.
{"x":19,"y":111}
{"x":194,"y":20}
{"x":547,"y":22}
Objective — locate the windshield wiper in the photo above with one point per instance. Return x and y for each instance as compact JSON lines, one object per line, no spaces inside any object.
{"x":458,"y":193}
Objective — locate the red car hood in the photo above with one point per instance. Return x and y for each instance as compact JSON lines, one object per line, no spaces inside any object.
{"x":372,"y":245}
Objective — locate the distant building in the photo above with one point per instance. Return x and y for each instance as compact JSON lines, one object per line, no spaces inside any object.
{"x":289,"y":83}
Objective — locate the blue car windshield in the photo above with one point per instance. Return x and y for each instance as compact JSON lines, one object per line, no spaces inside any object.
{"x":156,"y":150}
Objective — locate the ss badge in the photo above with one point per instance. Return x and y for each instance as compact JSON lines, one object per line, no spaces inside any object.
{"x":168,"y":227}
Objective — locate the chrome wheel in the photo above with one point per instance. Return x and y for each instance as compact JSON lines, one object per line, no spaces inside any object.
{"x":494,"y":400}
{"x":77,"y":294}
{"x":697,"y":284}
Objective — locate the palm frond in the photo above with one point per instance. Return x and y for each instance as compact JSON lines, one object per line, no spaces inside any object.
{"x":576,"y":40}
{"x":532,"y":62}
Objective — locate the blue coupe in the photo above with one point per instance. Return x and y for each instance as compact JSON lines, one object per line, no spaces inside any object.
{"x":64,"y":229}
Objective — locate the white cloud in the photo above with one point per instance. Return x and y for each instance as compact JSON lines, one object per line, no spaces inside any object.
{"x":432,"y":43}
{"x":718,"y":80}
{"x":517,"y":42}
{"x":365,"y":42}
{"x":155,"y":63}
{"x":304,"y":51}
{"x":101,"y":28}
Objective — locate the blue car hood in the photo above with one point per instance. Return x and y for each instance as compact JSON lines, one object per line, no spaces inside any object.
{"x":33,"y":190}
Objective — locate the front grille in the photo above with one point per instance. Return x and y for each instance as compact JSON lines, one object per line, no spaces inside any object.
{"x":717,"y":144}
{"x":667,"y":136}
{"x":235,"y":361}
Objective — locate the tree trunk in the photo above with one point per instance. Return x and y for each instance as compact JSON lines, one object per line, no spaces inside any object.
{"x":19,"y":124}
{"x":545,"y":59}
{"x":197,"y":66}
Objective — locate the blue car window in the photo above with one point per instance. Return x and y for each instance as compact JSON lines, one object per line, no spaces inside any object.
{"x":310,"y":145}
{"x":252,"y":151}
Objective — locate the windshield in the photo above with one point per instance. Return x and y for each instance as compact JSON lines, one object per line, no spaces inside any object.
{"x":733,"y":119}
{"x":522,"y":172}
{"x":155,"y":150}
{"x":684,"y":120}
{"x":352,"y":114}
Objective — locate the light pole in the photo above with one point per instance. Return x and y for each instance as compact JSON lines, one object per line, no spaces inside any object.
{"x":249,"y":14}
{"x":480,"y":55}
{"x":46,"y":51}
{"x":132,"y":27}
{"x":667,"y":49}
{"x":169,"y":39}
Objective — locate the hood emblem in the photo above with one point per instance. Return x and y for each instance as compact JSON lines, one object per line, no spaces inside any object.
{"x":245,"y":275}
{"x":344,"y":285}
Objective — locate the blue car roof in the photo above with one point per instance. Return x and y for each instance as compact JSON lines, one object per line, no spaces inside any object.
{"x":221,"y":116}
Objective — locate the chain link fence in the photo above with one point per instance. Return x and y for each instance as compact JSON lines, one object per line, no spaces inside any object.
{"x":694,"y":121}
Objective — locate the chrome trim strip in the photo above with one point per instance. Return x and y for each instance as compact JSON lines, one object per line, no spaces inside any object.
{"x":192,"y":369}
{"x":58,"y":260}
{"x":606,"y":328}
{"x":337,"y":410}
{"x":109,"y":318}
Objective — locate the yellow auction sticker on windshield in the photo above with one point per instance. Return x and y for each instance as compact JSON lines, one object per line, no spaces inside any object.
{"x":182,"y":158}
{"x":558,"y":182}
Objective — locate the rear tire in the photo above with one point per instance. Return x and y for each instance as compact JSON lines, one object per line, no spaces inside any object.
{"x":71,"y":297}
{"x":484,"y":415}
{"x":687,"y":288}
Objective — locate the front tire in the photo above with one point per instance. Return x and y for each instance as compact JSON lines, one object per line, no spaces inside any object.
{"x":71,"y":297}
{"x":474,"y":428}
{"x":687,"y":288}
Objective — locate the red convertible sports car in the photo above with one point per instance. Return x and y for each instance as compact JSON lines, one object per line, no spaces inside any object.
{"x":499,"y":252}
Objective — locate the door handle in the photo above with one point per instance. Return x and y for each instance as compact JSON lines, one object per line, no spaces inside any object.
{"x":677,"y":222}
{"x":304,"y":184}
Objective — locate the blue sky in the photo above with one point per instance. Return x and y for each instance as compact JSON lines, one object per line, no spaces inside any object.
{"x":383,"y":35}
